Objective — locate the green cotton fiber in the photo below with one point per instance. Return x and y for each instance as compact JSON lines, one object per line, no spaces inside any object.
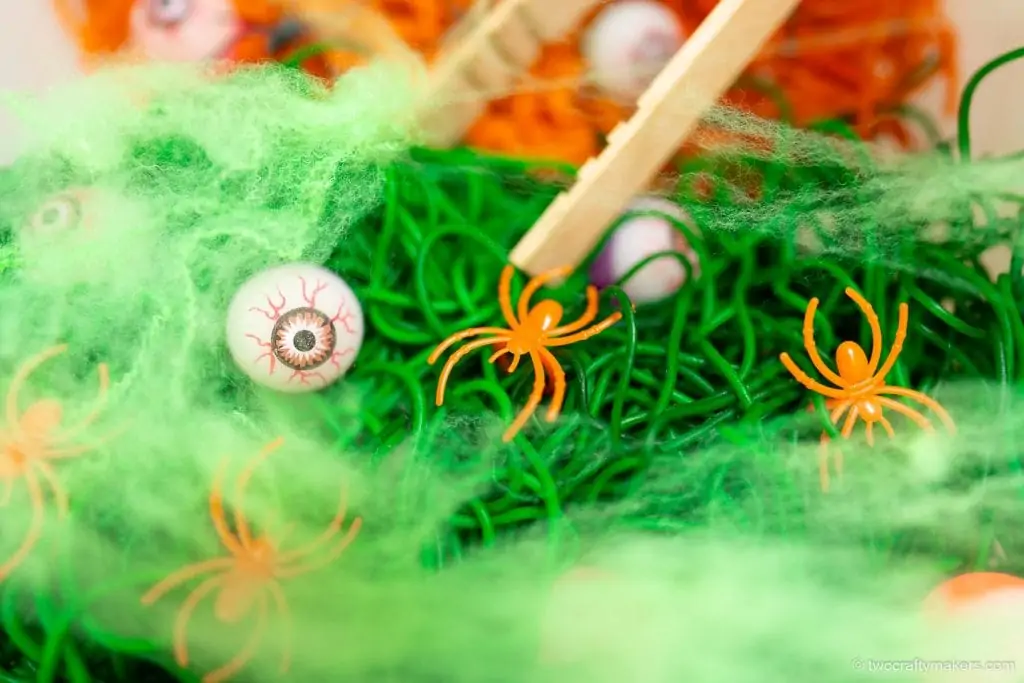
{"x":670,"y":525}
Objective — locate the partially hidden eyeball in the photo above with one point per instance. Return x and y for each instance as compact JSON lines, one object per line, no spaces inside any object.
{"x":295,"y":328}
{"x":628,"y":43}
{"x":638,"y":238}
{"x":580,"y":619}
{"x":185,"y":30}
{"x":58,"y":214}
{"x":981,"y":616}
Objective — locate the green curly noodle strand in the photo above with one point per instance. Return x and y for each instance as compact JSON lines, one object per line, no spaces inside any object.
{"x":680,"y":424}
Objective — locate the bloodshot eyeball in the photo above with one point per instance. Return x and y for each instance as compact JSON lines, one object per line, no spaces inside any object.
{"x":628,"y":43}
{"x":295,"y":328}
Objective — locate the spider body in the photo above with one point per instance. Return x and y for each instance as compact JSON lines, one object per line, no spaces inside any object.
{"x":247,"y":580}
{"x":244,"y":583}
{"x":860,"y":392}
{"x":30,"y":441}
{"x":531,"y":331}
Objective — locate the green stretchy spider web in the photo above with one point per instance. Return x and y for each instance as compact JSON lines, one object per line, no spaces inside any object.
{"x":684,"y":467}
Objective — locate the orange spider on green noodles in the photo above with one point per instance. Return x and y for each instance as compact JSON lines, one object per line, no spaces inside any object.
{"x":668,"y":525}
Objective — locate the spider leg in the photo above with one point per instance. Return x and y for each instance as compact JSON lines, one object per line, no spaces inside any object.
{"x":812,"y":347}
{"x":873,"y":323}
{"x":241,"y":523}
{"x":908,"y":412}
{"x":823,"y":452}
{"x":535,"y":284}
{"x":248,"y":651}
{"x":848,"y":425}
{"x":71,"y":451}
{"x":498,"y":354}
{"x":35,"y":528}
{"x":286,"y":616}
{"x":329,"y":533}
{"x":587,"y":333}
{"x":887,"y":426}
{"x":588,"y":316}
{"x":97,"y":407}
{"x":515,"y":363}
{"x":804,"y":379}
{"x":501,"y":334}
{"x":186,"y":573}
{"x":851,"y":422}
{"x":18,"y":381}
{"x":328,"y":558}
{"x":897,"y":343}
{"x":60,"y":496}
{"x":869,"y":433}
{"x":185,"y":615}
{"x":531,"y":405}
{"x":505,"y":296}
{"x":558,"y":375}
{"x":446,"y":372}
{"x":924,"y":400}
{"x":837,"y":408}
{"x":220,"y":524}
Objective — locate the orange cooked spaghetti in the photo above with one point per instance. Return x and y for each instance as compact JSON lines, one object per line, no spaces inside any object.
{"x":855,"y":60}
{"x":102,"y":31}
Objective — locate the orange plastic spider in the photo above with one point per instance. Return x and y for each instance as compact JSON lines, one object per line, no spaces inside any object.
{"x":536,"y":329}
{"x":860,"y":388}
{"x":30,"y":440}
{"x":248,"y":578}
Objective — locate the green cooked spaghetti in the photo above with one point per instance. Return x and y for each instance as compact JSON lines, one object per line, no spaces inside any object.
{"x":651,"y":402}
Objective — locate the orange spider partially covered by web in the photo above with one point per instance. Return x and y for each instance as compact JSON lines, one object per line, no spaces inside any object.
{"x":860,"y":391}
{"x":247,"y":579}
{"x":30,"y":441}
{"x":531,"y":333}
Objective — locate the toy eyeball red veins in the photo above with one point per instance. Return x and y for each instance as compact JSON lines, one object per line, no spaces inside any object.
{"x":185,"y":30}
{"x":295,"y":328}
{"x":982,"y":615}
{"x":639,"y":237}
{"x":627,"y":45}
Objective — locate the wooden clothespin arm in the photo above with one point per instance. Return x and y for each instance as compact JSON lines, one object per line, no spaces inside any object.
{"x":667,"y":113}
{"x":488,"y":60}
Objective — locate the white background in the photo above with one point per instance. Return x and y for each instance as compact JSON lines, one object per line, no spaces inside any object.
{"x":35,"y":55}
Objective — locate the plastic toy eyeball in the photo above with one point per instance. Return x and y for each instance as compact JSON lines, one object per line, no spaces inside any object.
{"x":638,"y":238}
{"x":628,"y":43}
{"x":295,"y":328}
{"x":184,"y":30}
{"x":59,"y":213}
{"x":168,"y":12}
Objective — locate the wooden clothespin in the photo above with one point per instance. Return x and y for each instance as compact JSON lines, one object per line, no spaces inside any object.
{"x":488,"y":59}
{"x":667,"y":113}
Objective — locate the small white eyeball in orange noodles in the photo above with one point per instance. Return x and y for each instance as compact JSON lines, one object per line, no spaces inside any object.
{"x":295,"y":328}
{"x":981,"y":616}
{"x":185,"y":30}
{"x":639,"y":237}
{"x":627,"y":45}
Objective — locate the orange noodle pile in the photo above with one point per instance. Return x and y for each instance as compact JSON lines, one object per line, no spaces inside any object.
{"x":859,"y":61}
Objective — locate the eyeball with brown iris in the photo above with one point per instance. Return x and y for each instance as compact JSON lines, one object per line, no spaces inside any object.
{"x":295,"y":328}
